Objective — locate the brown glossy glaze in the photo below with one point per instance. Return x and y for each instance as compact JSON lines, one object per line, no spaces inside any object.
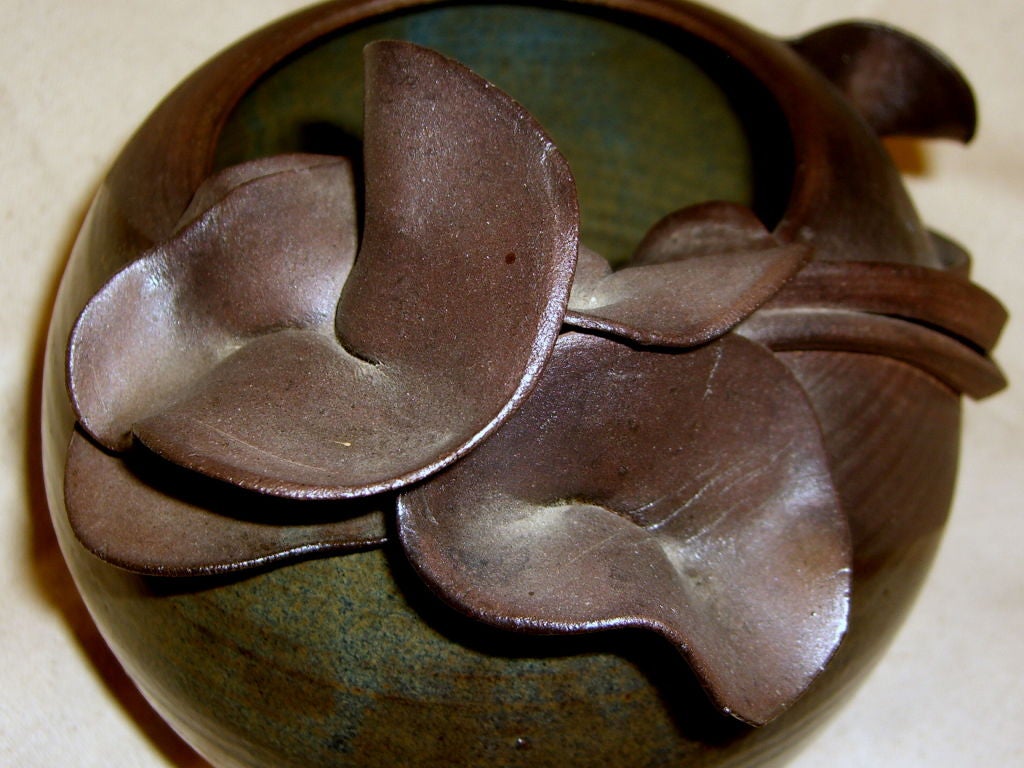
{"x":899,"y":84}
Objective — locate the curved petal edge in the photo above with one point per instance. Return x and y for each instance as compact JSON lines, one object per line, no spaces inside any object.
{"x":152,"y":518}
{"x":446,"y":319}
{"x":271,"y":251}
{"x":697,"y":273}
{"x":626,"y":492}
{"x":899,"y":84}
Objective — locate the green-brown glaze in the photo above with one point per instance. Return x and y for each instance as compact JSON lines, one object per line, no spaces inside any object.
{"x":347,"y":660}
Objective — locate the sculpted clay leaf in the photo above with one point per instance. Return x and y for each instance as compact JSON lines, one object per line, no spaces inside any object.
{"x":899,"y":84}
{"x":684,"y":492}
{"x":697,"y":273}
{"x":958,"y":365}
{"x":941,"y":299}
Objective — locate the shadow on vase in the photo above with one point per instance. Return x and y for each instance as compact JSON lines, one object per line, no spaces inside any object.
{"x":48,"y":574}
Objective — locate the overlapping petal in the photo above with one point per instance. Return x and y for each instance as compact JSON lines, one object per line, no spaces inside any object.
{"x":604,"y":482}
{"x":445,"y":320}
{"x":698,"y":273}
{"x":937,"y":298}
{"x":271,"y":251}
{"x":629,"y":490}
{"x":151,"y":517}
{"x":958,"y":365}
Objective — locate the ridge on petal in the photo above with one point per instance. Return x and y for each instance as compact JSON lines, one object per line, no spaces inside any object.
{"x":627,"y":492}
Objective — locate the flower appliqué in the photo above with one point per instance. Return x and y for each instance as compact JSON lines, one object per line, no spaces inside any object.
{"x":557,"y":447}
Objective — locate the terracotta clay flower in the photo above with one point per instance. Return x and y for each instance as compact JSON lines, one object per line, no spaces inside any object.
{"x":568,"y":448}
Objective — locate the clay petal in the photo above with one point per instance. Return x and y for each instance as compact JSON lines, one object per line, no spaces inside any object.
{"x":143,"y":515}
{"x":937,"y":298}
{"x":698,"y":273}
{"x":449,"y":313}
{"x":219,"y":186}
{"x":627,"y":491}
{"x":957,"y":365}
{"x":471,"y":233}
{"x":294,"y":414}
{"x":270,"y":253}
{"x":705,"y":229}
{"x":899,"y":84}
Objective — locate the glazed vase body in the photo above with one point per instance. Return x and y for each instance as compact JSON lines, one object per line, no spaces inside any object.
{"x":349,"y":660}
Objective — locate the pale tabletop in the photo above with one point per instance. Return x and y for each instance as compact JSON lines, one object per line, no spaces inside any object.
{"x":77,"y":78}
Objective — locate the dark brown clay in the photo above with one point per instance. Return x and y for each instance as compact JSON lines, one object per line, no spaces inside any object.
{"x":699,"y":445}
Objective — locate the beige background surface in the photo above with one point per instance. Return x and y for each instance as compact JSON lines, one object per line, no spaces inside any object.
{"x":77,"y":77}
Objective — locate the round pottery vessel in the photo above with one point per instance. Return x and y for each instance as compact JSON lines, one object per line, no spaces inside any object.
{"x":351,"y":659}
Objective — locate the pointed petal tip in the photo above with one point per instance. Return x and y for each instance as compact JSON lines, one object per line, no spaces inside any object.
{"x":900,"y":84}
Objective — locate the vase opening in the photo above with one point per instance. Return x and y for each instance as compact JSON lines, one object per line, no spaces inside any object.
{"x":650,"y":118}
